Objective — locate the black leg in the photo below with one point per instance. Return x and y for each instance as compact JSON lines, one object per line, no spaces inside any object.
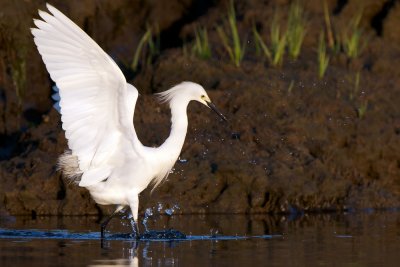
{"x":135,"y":229}
{"x":104,"y":224}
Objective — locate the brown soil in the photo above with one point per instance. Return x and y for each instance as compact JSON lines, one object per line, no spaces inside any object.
{"x":303,"y":149}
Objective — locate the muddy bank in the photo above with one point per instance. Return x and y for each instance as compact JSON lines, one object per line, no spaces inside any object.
{"x":293,"y":142}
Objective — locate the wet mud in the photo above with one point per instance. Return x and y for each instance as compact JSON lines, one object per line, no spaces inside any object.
{"x":294,"y":143}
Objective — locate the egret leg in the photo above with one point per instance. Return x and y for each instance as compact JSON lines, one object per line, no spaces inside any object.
{"x":135,"y":229}
{"x":134,"y":204}
{"x":108,"y":219}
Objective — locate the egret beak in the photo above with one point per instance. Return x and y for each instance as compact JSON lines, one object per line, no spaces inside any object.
{"x":213,"y":107}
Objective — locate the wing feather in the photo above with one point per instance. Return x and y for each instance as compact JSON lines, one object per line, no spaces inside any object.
{"x":92,"y":92}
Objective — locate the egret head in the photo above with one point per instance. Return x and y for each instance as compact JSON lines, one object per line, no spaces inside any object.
{"x":204,"y":99}
{"x":186,"y":92}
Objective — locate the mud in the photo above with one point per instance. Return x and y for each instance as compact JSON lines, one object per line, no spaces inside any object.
{"x":293,"y":143}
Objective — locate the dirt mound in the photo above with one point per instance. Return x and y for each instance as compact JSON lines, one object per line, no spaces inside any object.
{"x":293,"y":143}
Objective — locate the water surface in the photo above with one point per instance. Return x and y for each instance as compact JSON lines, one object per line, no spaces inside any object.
{"x":353,"y":239}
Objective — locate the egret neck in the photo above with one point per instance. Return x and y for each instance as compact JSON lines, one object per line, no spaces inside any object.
{"x":173,"y":145}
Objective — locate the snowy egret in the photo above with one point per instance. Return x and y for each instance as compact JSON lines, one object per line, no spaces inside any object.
{"x":97,"y":107}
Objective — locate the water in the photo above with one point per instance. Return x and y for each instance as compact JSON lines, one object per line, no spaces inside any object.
{"x":354,"y":239}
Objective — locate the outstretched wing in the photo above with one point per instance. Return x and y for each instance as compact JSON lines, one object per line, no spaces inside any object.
{"x":96,"y":103}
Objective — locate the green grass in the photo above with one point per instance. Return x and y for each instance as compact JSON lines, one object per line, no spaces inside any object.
{"x":292,"y":38}
{"x":356,"y":87}
{"x":323,"y":58}
{"x":290,"y":88}
{"x":201,"y":47}
{"x":352,"y":39}
{"x":19,"y":78}
{"x":275,"y":53}
{"x":14,"y":51}
{"x":139,"y":48}
{"x":232,"y":45}
{"x":260,"y":45}
{"x":153,"y":44}
{"x":362,"y":109}
{"x":334,"y":43}
{"x":328,"y":26}
{"x":149,"y":45}
{"x":278,"y":41}
{"x":296,"y":29}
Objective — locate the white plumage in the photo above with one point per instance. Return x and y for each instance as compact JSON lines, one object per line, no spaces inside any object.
{"x":97,"y":107}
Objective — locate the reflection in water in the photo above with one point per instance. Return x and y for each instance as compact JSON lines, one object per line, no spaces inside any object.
{"x":129,"y":255}
{"x":118,"y":262}
{"x":364,"y":239}
{"x":135,"y":250}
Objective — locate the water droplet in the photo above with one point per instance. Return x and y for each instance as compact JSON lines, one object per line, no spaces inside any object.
{"x":181,"y":160}
{"x":169,"y":212}
{"x":253,"y":161}
{"x":148,"y":212}
{"x":159,"y":207}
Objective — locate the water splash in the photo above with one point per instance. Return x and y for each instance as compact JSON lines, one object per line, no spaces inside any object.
{"x":127,"y":217}
{"x":147,"y":214}
{"x":171,"y":210}
{"x":214,"y":233}
{"x":159,"y":207}
{"x":164,"y":235}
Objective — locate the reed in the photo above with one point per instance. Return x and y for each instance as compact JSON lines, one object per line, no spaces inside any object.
{"x":362,"y":109}
{"x":232,"y":45}
{"x":278,"y":41}
{"x":149,"y":42}
{"x":296,"y":29}
{"x":323,"y":58}
{"x":201,"y":47}
{"x":352,"y":40}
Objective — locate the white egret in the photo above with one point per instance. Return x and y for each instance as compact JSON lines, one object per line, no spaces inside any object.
{"x":97,"y":107}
